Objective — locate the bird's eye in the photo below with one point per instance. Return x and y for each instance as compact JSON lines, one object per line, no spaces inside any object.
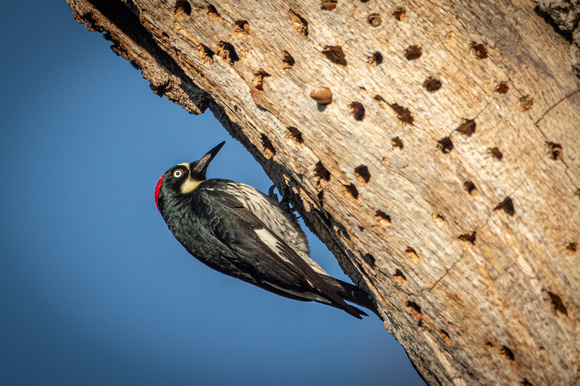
{"x":177,"y":173}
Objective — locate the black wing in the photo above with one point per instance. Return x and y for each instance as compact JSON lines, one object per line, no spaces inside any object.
{"x":256,"y":251}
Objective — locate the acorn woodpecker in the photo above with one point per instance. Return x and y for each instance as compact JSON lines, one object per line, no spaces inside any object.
{"x":237,"y":230}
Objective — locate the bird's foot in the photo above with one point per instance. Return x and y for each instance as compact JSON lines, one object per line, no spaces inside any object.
{"x":284,"y":203}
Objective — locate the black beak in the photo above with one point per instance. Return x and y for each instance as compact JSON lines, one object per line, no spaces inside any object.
{"x":199,"y":168}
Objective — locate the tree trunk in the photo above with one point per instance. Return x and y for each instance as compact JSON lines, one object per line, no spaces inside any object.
{"x":433,"y":146}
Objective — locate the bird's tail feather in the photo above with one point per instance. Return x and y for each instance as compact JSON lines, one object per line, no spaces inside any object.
{"x":350,"y":293}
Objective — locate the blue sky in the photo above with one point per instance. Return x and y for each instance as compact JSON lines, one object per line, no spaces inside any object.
{"x":93,"y":287}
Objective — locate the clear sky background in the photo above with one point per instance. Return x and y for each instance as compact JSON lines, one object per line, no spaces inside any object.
{"x":94,"y":289}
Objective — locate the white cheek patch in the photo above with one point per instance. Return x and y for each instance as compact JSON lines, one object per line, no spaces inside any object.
{"x":189,"y":186}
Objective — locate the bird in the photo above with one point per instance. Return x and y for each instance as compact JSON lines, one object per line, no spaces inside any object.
{"x":244,"y":233}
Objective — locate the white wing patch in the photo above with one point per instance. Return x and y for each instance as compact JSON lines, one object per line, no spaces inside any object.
{"x":313,"y":264}
{"x":304,"y":295}
{"x":275,"y":218}
{"x":271,"y":241}
{"x":270,"y":213}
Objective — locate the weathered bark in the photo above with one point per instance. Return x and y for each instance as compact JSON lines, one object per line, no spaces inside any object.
{"x":565,"y":16}
{"x":444,"y":174}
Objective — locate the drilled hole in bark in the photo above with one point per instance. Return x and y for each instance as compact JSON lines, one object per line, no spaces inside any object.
{"x":502,"y":87}
{"x":414,"y":310}
{"x":350,"y":192}
{"x":160,"y":89}
{"x":495,"y":153}
{"x":432,"y":84}
{"x":411,"y":254}
{"x":403,"y":113}
{"x":362,"y":174}
{"x":369,"y":259}
{"x":478,"y":50}
{"x":357,"y":110}
{"x":206,"y":54}
{"x":469,"y":237}
{"x":182,"y":9}
{"x":298,"y":23}
{"x":328,"y":5}
{"x":413,"y":52}
{"x":227,"y":52}
{"x":400,"y":14}
{"x":321,"y":172}
{"x":470,"y":187}
{"x":438,"y":219}
{"x":571,"y":249}
{"x":287,"y":61}
{"x":383,"y":218}
{"x":242,"y":28}
{"x":375,"y":59}
{"x":507,"y":206}
{"x":375,"y":20}
{"x":557,"y":304}
{"x":398,"y":276}
{"x":397,"y":143}
{"x":258,"y":80}
{"x":445,"y":145}
{"x":506,"y":352}
{"x":335,"y":55}
{"x":295,"y":135}
{"x":555,"y":150}
{"x":269,"y":150}
{"x":212,"y":12}
{"x":445,"y":337}
{"x":467,"y":128}
{"x":526,"y":103}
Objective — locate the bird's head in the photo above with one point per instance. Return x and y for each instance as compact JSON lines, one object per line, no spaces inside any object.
{"x":184,"y":178}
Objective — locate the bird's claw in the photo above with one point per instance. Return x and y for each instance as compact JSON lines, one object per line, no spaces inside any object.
{"x":271,"y":193}
{"x":284,"y":203}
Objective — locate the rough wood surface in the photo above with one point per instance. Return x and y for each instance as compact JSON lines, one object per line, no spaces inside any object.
{"x":433,"y":146}
{"x":564,"y":15}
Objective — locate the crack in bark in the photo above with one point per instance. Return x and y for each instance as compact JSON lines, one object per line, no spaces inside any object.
{"x":447,"y":271}
{"x":566,"y":173}
{"x":554,"y":106}
{"x":547,"y":139}
{"x":426,"y":131}
{"x":569,"y":177}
